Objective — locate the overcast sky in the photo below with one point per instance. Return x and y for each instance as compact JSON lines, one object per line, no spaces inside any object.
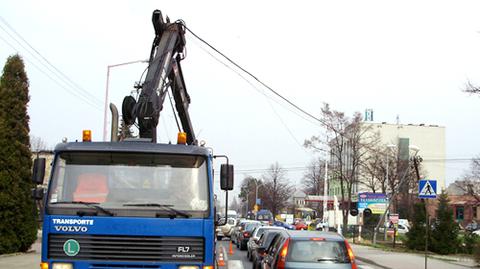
{"x":405,"y":58}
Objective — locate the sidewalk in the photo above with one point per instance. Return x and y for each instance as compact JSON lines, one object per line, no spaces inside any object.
{"x":399,"y":260}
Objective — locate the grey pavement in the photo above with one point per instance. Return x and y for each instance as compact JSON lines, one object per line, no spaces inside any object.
{"x":400,"y":260}
{"x":28,"y":260}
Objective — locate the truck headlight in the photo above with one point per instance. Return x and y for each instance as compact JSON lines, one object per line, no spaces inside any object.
{"x":188,"y":267}
{"x":62,"y":265}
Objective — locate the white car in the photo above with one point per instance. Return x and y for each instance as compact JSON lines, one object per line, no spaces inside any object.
{"x":226,"y":230}
{"x":401,"y":229}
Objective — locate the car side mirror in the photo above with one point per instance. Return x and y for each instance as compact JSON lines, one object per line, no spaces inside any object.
{"x":261,"y":250}
{"x":38,"y":170}
{"x":226,"y":177}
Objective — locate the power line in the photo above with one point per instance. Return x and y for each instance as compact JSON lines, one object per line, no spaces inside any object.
{"x":51,"y":78}
{"x":255,"y":87}
{"x":46,"y":63}
{"x":266,"y":97}
{"x":255,"y":78}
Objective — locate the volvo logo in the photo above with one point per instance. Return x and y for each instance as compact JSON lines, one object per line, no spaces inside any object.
{"x":61,"y":228}
{"x":183,"y":249}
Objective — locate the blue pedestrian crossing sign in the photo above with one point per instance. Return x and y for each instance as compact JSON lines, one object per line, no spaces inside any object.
{"x":427,"y":189}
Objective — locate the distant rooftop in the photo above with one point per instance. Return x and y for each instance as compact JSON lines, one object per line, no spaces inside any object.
{"x":403,"y":124}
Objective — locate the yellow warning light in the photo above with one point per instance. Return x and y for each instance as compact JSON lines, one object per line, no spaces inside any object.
{"x":87,"y":136}
{"x":182,"y":138}
{"x":44,"y":265}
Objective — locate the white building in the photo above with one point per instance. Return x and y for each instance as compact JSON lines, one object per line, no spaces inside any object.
{"x":429,"y":139}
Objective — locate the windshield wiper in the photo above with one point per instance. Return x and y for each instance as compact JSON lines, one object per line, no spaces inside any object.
{"x":326,"y":259}
{"x":170,"y":208}
{"x":89,"y":204}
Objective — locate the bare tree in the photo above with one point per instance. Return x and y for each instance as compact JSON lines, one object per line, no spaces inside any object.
{"x":471,"y":180}
{"x":37,"y":143}
{"x":313,"y":179}
{"x":472,"y":89}
{"x":276,"y":190}
{"x":349,"y":146}
{"x":374,"y":176}
{"x":247,"y":191}
{"x":234,"y":205}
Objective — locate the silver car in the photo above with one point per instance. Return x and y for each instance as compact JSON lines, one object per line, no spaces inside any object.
{"x":308,"y":249}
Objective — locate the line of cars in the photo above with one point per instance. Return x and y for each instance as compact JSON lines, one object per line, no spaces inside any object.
{"x":274,"y":247}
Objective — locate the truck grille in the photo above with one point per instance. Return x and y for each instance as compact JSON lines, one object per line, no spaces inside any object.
{"x":128,"y":248}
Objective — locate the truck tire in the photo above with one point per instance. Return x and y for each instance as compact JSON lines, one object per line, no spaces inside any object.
{"x":219,"y":238}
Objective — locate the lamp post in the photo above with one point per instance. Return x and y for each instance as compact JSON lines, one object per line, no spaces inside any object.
{"x":391,"y":146}
{"x":106,"y":93}
{"x":256,"y":192}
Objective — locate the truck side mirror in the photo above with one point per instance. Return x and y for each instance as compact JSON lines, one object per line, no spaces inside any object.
{"x":226,"y":177}
{"x":37,"y":193}
{"x":38,"y":170}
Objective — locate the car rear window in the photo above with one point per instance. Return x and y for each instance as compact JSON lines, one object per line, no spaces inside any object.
{"x":317,"y":251}
{"x":270,"y":235}
{"x":250,"y":226}
{"x":258,"y":232}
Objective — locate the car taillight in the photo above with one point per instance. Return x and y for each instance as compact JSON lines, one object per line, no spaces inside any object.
{"x":350,"y":255}
{"x":246,"y":234}
{"x":283,"y":255}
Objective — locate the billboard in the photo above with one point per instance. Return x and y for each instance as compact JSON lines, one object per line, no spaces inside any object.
{"x":377,"y":202}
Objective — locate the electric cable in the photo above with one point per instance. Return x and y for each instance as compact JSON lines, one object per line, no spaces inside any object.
{"x":59,"y":74}
{"x":257,"y":79}
{"x":87,"y":101}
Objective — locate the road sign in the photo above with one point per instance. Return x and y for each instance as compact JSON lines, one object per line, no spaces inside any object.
{"x":393,"y":218}
{"x":427,"y":189}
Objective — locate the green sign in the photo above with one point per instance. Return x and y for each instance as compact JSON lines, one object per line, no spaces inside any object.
{"x":71,"y":247}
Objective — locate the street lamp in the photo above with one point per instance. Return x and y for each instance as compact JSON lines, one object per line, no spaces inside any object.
{"x":391,"y":146}
{"x":106,"y":93}
{"x":256,"y":191}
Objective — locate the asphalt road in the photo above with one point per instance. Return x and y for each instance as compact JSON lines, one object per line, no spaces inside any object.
{"x":241,"y":256}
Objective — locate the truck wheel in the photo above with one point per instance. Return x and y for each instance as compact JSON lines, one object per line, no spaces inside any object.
{"x":219,"y":238}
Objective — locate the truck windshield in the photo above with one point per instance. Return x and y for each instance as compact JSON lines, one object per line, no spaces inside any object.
{"x":130,"y":182}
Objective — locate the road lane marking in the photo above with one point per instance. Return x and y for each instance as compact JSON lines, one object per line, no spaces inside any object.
{"x":235,"y":264}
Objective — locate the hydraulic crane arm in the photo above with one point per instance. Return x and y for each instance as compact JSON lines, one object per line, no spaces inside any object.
{"x":164,"y":72}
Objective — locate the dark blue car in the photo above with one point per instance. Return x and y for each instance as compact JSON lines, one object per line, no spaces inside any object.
{"x":284,"y":225}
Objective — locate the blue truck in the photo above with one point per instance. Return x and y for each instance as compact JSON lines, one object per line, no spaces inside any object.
{"x":133,"y":202}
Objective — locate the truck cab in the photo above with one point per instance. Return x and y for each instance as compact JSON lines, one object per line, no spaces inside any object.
{"x":129,"y":205}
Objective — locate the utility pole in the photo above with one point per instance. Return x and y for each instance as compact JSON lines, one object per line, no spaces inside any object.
{"x":325,"y":187}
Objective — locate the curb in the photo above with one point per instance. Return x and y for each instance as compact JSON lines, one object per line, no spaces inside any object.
{"x":456,"y":261}
{"x":365,"y":260}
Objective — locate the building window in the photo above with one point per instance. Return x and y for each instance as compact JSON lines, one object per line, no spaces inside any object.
{"x":474,"y":212}
{"x":459,"y":212}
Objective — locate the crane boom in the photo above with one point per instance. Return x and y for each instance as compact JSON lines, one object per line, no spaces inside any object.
{"x":164,"y":73}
